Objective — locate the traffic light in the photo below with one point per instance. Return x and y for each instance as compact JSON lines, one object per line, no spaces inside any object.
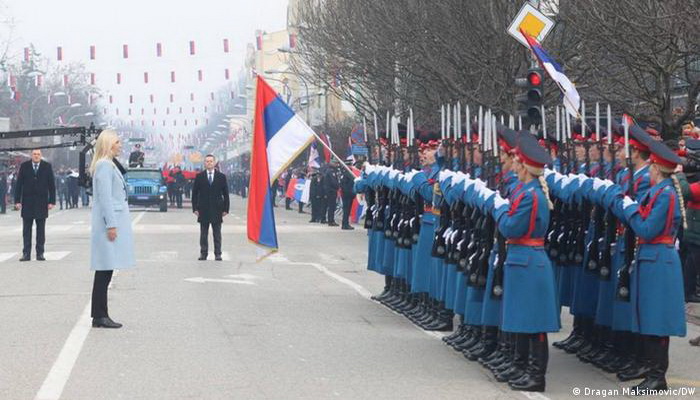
{"x":530,"y":101}
{"x":535,"y":95}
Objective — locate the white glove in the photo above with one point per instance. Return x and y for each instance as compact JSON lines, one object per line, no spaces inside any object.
{"x":558,"y":177}
{"x":486,"y":193}
{"x":366,"y":164}
{"x":479,"y":185}
{"x":500,"y":201}
{"x":565,"y":181}
{"x":627,"y":202}
{"x":459,"y":177}
{"x":468,"y":182}
{"x":598,"y":183}
{"x":409,"y":175}
{"x":444,"y":174}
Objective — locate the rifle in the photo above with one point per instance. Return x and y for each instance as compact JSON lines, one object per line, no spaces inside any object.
{"x":439,"y":249}
{"x":584,"y":207}
{"x":597,"y":213}
{"x":497,"y":283}
{"x":623,"y":283}
{"x":610,"y":231}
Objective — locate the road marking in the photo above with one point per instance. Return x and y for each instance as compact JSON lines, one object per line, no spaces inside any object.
{"x":55,"y":382}
{"x":205,"y":280}
{"x":245,"y":277}
{"x":7,"y":256}
{"x":55,"y":255}
{"x":353,"y":285}
{"x":164,"y":256}
{"x":362,"y":291}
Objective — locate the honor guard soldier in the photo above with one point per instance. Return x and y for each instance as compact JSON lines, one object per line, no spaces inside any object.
{"x":529,"y":303}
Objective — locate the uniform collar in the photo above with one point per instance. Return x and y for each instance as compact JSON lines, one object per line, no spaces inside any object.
{"x":642,"y":170}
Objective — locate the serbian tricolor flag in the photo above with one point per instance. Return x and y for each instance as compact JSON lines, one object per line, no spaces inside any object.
{"x":279,"y":135}
{"x":295,"y":189}
{"x":572,"y":100}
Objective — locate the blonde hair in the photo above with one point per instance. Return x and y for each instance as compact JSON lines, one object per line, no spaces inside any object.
{"x":677,"y":186}
{"x":669,"y":172}
{"x":103,"y":148}
{"x":539,"y":173}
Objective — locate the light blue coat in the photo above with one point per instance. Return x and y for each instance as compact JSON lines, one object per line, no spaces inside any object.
{"x":110,"y":209}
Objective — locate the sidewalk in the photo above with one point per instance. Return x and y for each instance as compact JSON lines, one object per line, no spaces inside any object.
{"x":692,"y":311}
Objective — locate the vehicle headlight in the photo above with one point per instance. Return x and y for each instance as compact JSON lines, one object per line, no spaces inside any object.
{"x":163,"y":189}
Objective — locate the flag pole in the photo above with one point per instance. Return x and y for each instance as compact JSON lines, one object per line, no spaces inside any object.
{"x":342,"y":162}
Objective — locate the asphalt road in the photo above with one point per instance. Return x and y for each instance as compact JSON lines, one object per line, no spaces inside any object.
{"x":298,"y":325}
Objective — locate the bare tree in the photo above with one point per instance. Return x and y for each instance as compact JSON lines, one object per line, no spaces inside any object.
{"x":392,"y":55}
{"x":639,"y":55}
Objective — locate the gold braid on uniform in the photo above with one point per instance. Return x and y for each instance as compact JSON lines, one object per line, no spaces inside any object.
{"x":545,"y":189}
{"x":539,"y":173}
{"x":677,"y":186}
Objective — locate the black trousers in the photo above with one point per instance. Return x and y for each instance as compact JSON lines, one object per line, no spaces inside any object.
{"x":204,"y":237}
{"x":3,"y":203}
{"x":331,"y":203}
{"x":301,"y":207}
{"x":318,"y":209}
{"x":27,"y":225}
{"x":178,"y":198}
{"x":691,"y":268}
{"x":99,"y":294}
{"x":347,"y":207}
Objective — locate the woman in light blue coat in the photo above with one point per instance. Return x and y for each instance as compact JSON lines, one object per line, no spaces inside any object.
{"x":112,"y":243}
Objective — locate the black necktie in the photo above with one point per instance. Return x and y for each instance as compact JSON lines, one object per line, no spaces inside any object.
{"x":211,"y":178}
{"x":36,"y":168}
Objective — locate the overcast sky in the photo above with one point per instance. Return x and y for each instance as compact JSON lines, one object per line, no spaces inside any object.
{"x":77,"y":24}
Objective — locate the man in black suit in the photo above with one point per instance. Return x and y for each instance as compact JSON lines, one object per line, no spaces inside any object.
{"x":3,"y":192}
{"x":330,"y":185}
{"x":210,"y":202}
{"x":35,"y":195}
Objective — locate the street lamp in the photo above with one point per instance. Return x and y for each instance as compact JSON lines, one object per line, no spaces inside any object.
{"x":87,"y":114}
{"x":31,"y":108}
{"x":286,"y":87}
{"x":63,"y":108}
{"x":306,"y":86}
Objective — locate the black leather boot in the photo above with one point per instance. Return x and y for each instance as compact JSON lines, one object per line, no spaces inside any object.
{"x":521,"y":350}
{"x":638,"y":367}
{"x":656,"y":348}
{"x":463,"y":338}
{"x":533,"y":380}
{"x":486,"y":346}
{"x":456,"y":334}
{"x":383,"y":294}
{"x":507,"y":356}
{"x":582,"y":341}
{"x":444,"y":321}
{"x":573,"y":335}
{"x":473,"y":339}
